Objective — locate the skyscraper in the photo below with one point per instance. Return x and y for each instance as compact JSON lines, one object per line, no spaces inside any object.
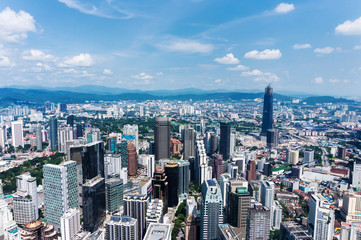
{"x":225,"y":140}
{"x":267,"y":196}
{"x":135,"y":206}
{"x":272,"y":138}
{"x":64,"y":134}
{"x":130,"y":133}
{"x":39,"y":142}
{"x":70,"y":120}
{"x":267,"y":119}
{"x":132,"y":159}
{"x":60,"y":190}
{"x":183,"y":186}
{"x":3,"y":137}
{"x":251,"y":171}
{"x":217,"y":166}
{"x":121,"y":228}
{"x":54,"y":134}
{"x":258,"y":222}
{"x":211,"y":209}
{"x":356,"y":174}
{"x":189,"y":136}
{"x":93,"y":203}
{"x":92,"y":160}
{"x":239,"y":203}
{"x":122,"y":148}
{"x":114,"y":194}
{"x":70,"y":224}
{"x":160,"y":186}
{"x":172,"y":171}
{"x":162,"y":137}
{"x":17,"y":133}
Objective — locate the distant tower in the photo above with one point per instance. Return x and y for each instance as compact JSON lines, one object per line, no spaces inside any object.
{"x":267,"y":120}
{"x":251,"y":171}
{"x":189,"y":137}
{"x":17,"y":133}
{"x":162,"y":137}
{"x":225,"y":141}
{"x":211,"y":209}
{"x":132,"y":159}
{"x":272,"y":138}
{"x":54,"y":134}
{"x":39,"y":142}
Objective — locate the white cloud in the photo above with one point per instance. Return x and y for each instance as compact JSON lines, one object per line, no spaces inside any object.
{"x":159,"y":74}
{"x":325,"y":50}
{"x":261,"y":76}
{"x":5,"y":62}
{"x":82,"y":60}
{"x":238,"y":68}
{"x":228,"y":59}
{"x":43,"y":66}
{"x":301,"y":46}
{"x":283,"y":8}
{"x":349,"y":27}
{"x":142,"y":76}
{"x":107,"y":71}
{"x":37,"y":55}
{"x":14,"y":27}
{"x":334,"y":80}
{"x":357,"y":47}
{"x":264,"y":55}
{"x":318,"y":80}
{"x":218,"y":80}
{"x":185,"y":45}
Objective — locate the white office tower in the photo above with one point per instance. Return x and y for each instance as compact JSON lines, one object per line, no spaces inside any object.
{"x":121,"y":228}
{"x":17,"y":133}
{"x":150,"y":166}
{"x":232,"y":141}
{"x":8,"y":228}
{"x":112,"y":164}
{"x":356,"y":174}
{"x":39,"y":142}
{"x":154,"y":212}
{"x":130,"y":133}
{"x":70,"y":224}
{"x":232,"y":170}
{"x":267,"y":196}
{"x":224,"y":185}
{"x":211,"y":209}
{"x":191,"y":206}
{"x":3,"y":136}
{"x":351,"y":208}
{"x":158,"y":231}
{"x":277,"y":215}
{"x":124,"y":175}
{"x":321,"y":218}
{"x":135,"y":206}
{"x":293,"y":157}
{"x":60,"y":190}
{"x":350,"y":231}
{"x":203,"y":171}
{"x":65,"y":134}
{"x":25,"y":199}
{"x":309,"y":155}
{"x":239,"y":159}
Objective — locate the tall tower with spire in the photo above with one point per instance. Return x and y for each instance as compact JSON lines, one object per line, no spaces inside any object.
{"x":267,"y":120}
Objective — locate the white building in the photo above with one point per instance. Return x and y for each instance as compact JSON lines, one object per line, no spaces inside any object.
{"x":356,"y":175}
{"x":121,"y":227}
{"x":158,"y":231}
{"x":64,"y":134}
{"x":267,"y":197}
{"x":3,"y":136}
{"x":154,"y":212}
{"x":309,"y":156}
{"x":350,"y":231}
{"x":17,"y":133}
{"x":130,"y":133}
{"x":112,"y":164}
{"x":70,"y":224}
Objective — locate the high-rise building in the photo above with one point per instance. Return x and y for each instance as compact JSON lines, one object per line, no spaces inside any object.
{"x":224,"y":185}
{"x":258,"y":222}
{"x":267,"y":196}
{"x":154,"y":212}
{"x":233,"y":140}
{"x":79,"y":131}
{"x":39,"y":142}
{"x":350,"y":231}
{"x":226,"y":232}
{"x":53,"y":134}
{"x":132,"y":159}
{"x":225,"y":141}
{"x":93,"y":203}
{"x":113,"y":194}
{"x":239,"y":203}
{"x":211,"y":209}
{"x":356,"y":174}
{"x":112,"y":165}
{"x":62,"y":107}
{"x":251,"y":171}
{"x":162,"y":137}
{"x":8,"y":228}
{"x":150,"y":166}
{"x":70,"y":224}
{"x":294,"y":231}
{"x":267,"y":119}
{"x":341,"y":152}
{"x":35,"y":230}
{"x":121,"y":228}
{"x":293,"y":156}
{"x":158,"y":231}
{"x":130,"y":133}
{"x":175,"y":146}
{"x":60,"y":190}
{"x":92,"y":160}
{"x":188,"y":137}
{"x":160,"y":186}
{"x":272,"y":138}
{"x":122,"y":147}
{"x":3,"y":137}
{"x":309,"y":155}
{"x":70,"y":120}
{"x":351,"y":208}
{"x":183,"y":182}
{"x":201,"y":169}
{"x":277,"y":215}
{"x":192,"y":228}
{"x":172,"y":171}
{"x":17,"y":133}
{"x":217,"y":166}
{"x":135,"y":206}
{"x":321,"y":218}
{"x":65,"y":134}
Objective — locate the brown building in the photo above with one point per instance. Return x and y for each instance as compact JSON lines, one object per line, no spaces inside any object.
{"x":175,"y":146}
{"x":160,"y":187}
{"x":251,"y":171}
{"x":341,"y":152}
{"x":36,"y":230}
{"x":192,"y":228}
{"x":132,"y":159}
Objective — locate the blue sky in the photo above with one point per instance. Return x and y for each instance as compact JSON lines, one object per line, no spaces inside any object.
{"x":304,"y":46}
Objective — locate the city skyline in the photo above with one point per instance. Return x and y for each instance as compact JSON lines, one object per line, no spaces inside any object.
{"x":311,"y":47}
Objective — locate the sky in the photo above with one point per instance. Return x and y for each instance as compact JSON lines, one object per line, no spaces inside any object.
{"x":303,"y":46}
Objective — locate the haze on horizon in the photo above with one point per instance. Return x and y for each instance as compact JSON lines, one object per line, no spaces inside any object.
{"x":302,"y":46}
